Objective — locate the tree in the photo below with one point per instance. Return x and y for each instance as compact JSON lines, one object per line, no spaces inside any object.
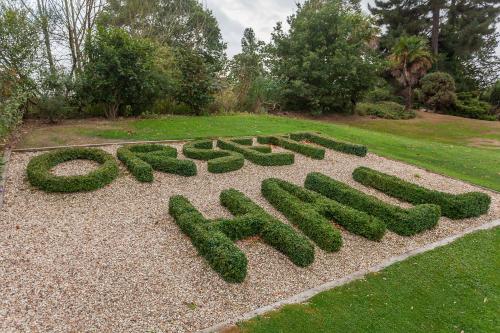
{"x":247,"y":66}
{"x":325,"y":61}
{"x":410,"y":59}
{"x":196,"y":83}
{"x":438,"y":90}
{"x":174,"y":23}
{"x":119,"y":71}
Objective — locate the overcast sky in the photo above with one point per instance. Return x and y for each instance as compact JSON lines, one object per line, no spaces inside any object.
{"x":261,"y":15}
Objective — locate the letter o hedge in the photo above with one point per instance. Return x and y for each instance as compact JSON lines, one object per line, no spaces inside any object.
{"x":39,"y":167}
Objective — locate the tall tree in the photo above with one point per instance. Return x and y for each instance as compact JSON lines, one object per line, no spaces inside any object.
{"x":410,"y":59}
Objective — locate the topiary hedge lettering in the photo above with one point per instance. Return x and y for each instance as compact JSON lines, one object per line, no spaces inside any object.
{"x":327,"y":142}
{"x":454,"y":206}
{"x":405,"y":222}
{"x":214,"y":240}
{"x":219,"y":161}
{"x":39,"y":168}
{"x":311,"y":212}
{"x":142,"y":159}
{"x":307,"y":150}
{"x":260,"y":155}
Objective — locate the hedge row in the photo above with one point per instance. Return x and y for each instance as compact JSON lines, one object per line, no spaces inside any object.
{"x":304,"y":149}
{"x":328,"y":142}
{"x":219,"y":161}
{"x":220,"y":252}
{"x":214,"y":240}
{"x":141,"y":160}
{"x":404,"y":222}
{"x":260,"y":155}
{"x":454,"y":206}
{"x":312,"y":212}
{"x":39,"y":170}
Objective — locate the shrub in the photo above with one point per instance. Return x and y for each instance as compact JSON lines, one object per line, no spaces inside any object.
{"x":454,"y":206}
{"x":311,"y":212}
{"x":214,"y":240}
{"x":402,"y":221}
{"x":382,"y":94}
{"x":219,"y":161}
{"x":307,"y":150}
{"x":39,"y":167}
{"x":495,"y":95}
{"x":344,"y":147}
{"x":386,"y":110}
{"x":259,"y":155}
{"x":470,"y":106}
{"x":142,"y":159}
{"x":438,"y":90}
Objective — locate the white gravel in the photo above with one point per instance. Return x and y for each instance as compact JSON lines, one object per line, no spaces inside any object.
{"x":113,"y":260}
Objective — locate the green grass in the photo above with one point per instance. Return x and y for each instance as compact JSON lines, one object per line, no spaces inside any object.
{"x":476,"y":165}
{"x":450,"y":289}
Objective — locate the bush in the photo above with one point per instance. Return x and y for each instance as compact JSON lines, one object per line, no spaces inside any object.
{"x":141,"y":160}
{"x":39,"y":167}
{"x":219,"y":161}
{"x":214,"y":240}
{"x":258,"y":155}
{"x":219,"y":251}
{"x":438,"y":91}
{"x":495,"y":95}
{"x":307,"y":150}
{"x":382,"y":94}
{"x":454,"y":206}
{"x":312,"y":213}
{"x":344,"y":147}
{"x":386,"y":110}
{"x":470,"y":106}
{"x":405,"y":222}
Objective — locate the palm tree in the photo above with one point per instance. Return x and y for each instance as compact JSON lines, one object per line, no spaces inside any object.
{"x":411,"y":59}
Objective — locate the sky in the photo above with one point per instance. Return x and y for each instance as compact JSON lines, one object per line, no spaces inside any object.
{"x":261,"y":15}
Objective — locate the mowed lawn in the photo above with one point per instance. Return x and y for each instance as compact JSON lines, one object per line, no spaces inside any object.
{"x":450,"y":289}
{"x":446,"y":152}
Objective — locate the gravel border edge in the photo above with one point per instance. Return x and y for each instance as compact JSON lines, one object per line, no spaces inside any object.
{"x":3,"y":175}
{"x":307,"y":294}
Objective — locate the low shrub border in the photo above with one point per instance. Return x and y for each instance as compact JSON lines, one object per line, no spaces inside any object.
{"x":328,"y":142}
{"x":454,"y":206}
{"x":307,"y":150}
{"x":260,"y":155}
{"x":219,"y":161}
{"x":311,"y":212}
{"x":214,"y":239}
{"x":39,"y":167}
{"x":142,"y":159}
{"x":405,"y":222}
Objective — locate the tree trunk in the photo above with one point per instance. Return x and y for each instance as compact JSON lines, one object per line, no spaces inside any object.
{"x":435,"y":27}
{"x":112,"y":111}
{"x":409,"y":100}
{"x":44,"y":23}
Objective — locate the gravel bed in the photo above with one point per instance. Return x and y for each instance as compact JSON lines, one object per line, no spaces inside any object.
{"x":113,"y":260}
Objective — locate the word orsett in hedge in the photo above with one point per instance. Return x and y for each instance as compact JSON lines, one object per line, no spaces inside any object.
{"x":219,"y":161}
{"x":284,"y":142}
{"x":311,"y":213}
{"x":39,"y":170}
{"x":454,"y":206}
{"x":260,"y":155}
{"x":405,"y":222}
{"x":327,"y":142}
{"x":142,"y":159}
{"x":214,"y":240}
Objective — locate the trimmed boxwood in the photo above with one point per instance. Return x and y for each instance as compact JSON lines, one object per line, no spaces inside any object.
{"x":454,"y":206}
{"x":219,"y":161}
{"x":327,"y":142}
{"x":142,"y":159}
{"x":214,"y":239}
{"x":220,"y":252}
{"x":304,"y":149}
{"x":39,"y":167}
{"x":402,"y":221}
{"x":311,"y":213}
{"x":260,"y":155}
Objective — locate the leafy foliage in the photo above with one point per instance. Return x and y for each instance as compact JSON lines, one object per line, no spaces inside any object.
{"x":469,"y":105}
{"x":325,"y":61}
{"x":386,"y":110}
{"x":438,"y":90}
